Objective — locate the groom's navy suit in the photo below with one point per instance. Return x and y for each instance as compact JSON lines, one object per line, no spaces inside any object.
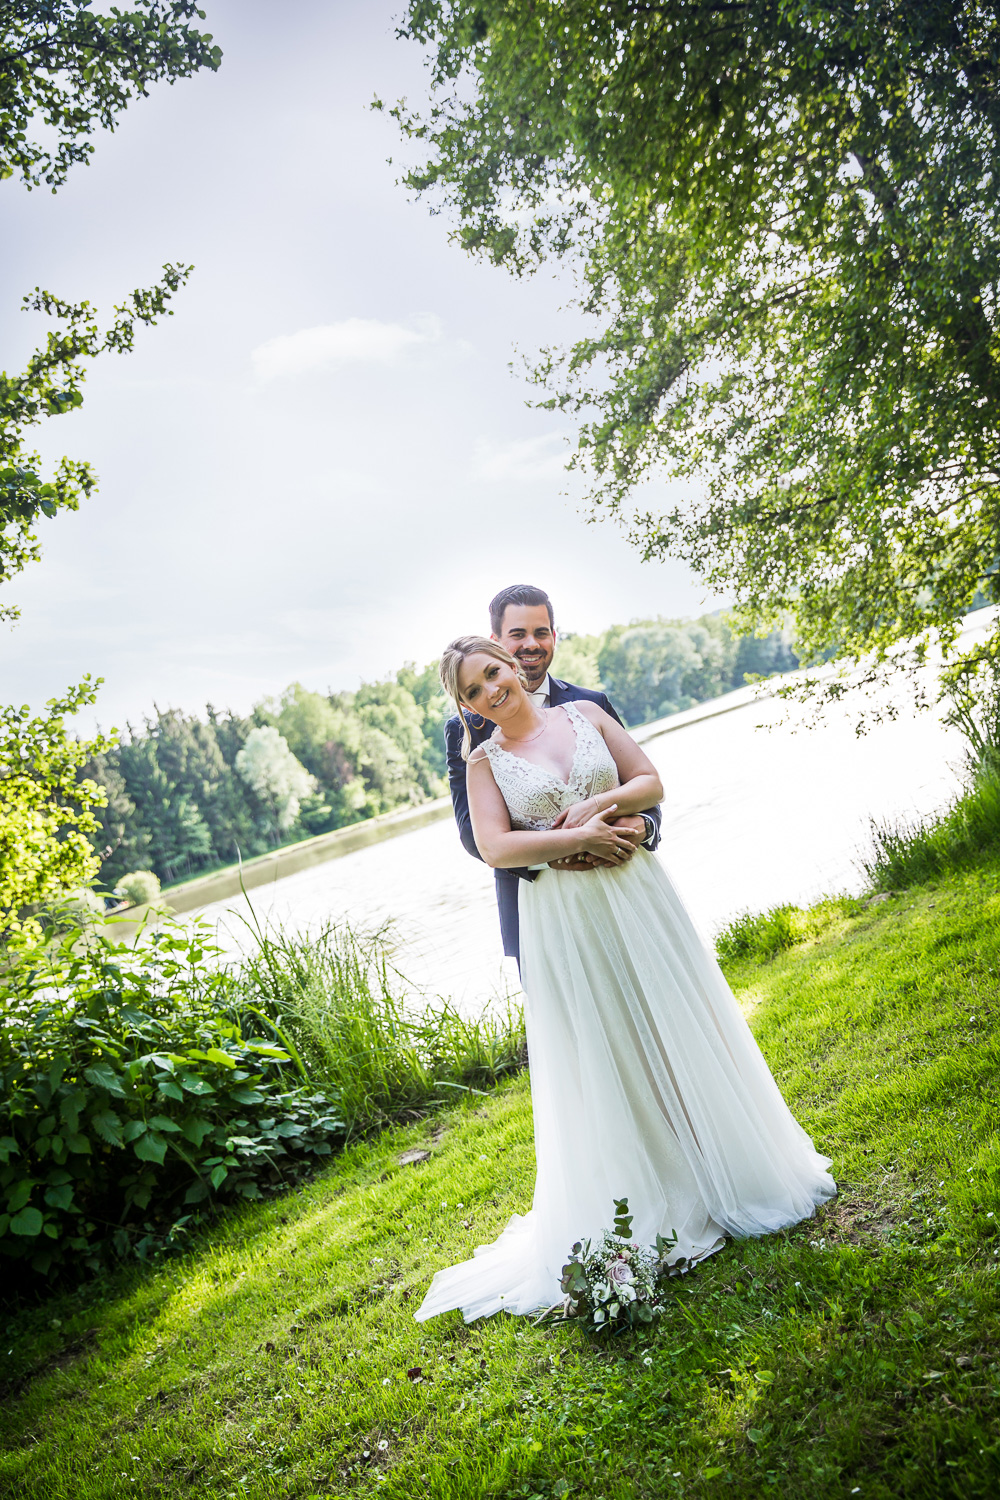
{"x":507,"y":880}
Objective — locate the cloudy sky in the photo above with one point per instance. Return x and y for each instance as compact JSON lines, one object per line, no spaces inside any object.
{"x":322,"y":465}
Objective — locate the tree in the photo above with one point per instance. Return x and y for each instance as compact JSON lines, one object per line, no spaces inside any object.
{"x":269,"y":767}
{"x":46,"y":809}
{"x":785,"y":214}
{"x":391,"y":709}
{"x":66,"y":68}
{"x":50,"y":385}
{"x":644,"y":667}
{"x":436,"y":707}
{"x":325,"y":735}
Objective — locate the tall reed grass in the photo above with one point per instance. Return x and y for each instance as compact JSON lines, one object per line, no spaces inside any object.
{"x":904,"y":853}
{"x":354,"y":1030}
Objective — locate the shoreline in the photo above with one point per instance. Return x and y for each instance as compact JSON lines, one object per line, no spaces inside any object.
{"x":264,"y":869}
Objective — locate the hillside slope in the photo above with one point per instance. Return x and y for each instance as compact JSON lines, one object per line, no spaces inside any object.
{"x":856,"y":1354}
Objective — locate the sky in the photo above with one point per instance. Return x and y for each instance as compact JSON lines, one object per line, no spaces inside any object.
{"x":323,"y":465}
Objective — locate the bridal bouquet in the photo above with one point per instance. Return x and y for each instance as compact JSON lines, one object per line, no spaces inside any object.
{"x":613,"y":1284}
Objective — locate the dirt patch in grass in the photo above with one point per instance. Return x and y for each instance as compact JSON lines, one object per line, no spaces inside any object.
{"x":63,"y":1360}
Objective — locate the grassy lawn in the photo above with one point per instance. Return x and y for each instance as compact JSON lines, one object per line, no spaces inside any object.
{"x":856,"y":1354}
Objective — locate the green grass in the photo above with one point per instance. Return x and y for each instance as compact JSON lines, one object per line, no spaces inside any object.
{"x":855,"y":1354}
{"x":763,"y":935}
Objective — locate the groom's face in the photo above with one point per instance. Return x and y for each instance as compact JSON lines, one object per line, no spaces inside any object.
{"x":530,"y":639}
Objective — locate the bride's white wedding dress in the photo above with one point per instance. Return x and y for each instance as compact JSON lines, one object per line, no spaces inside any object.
{"x":646,"y":1082}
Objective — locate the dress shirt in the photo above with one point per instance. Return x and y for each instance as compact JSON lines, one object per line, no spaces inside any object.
{"x":541,"y":695}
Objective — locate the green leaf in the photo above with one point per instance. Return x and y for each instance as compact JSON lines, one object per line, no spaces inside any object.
{"x":219,"y":1175}
{"x":222,"y":1058}
{"x":192,"y":1084}
{"x":134,"y":1129}
{"x":713,"y":1473}
{"x":8,"y":1148}
{"x":78,"y":1144}
{"x":247,"y":1096}
{"x":169,"y":1089}
{"x":59,"y":1065}
{"x":151,"y":1147}
{"x":755,"y":1435}
{"x":165,"y":1060}
{"x":195,"y":1129}
{"x":103,"y":1076}
{"x":108,"y":1126}
{"x":28,"y":1223}
{"x":162,"y":1122}
{"x":19,"y":1194}
{"x":59,"y":1197}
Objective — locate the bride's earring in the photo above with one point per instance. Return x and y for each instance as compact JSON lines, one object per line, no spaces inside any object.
{"x":473,"y":717}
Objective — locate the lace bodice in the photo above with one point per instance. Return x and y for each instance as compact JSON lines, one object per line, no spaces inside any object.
{"x":535,"y":796}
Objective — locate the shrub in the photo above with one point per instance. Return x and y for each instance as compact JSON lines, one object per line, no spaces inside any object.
{"x":76,"y":909}
{"x":132,"y":1096}
{"x":47,"y":808}
{"x":141,"y":887}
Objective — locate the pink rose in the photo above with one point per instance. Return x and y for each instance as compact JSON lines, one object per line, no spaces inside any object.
{"x":620,"y":1273}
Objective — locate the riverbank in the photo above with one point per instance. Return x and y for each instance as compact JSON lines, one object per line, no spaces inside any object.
{"x":854,"y":1354}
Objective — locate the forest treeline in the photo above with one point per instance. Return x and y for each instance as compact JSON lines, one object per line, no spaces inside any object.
{"x":188,"y":794}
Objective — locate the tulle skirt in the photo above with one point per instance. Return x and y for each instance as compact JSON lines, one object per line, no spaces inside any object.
{"x":646,"y":1083}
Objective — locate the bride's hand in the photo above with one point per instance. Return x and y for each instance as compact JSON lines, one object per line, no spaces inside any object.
{"x":608,"y":843}
{"x":577,"y":815}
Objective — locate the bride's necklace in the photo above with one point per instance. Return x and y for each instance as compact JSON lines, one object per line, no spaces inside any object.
{"x":526,"y":739}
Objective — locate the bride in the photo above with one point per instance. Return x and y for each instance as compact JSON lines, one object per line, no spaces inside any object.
{"x":646,"y":1082}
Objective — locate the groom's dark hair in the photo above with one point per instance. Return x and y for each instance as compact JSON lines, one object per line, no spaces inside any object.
{"x":517,"y":593}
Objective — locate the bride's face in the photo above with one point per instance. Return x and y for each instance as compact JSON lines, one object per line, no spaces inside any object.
{"x":490,"y":687}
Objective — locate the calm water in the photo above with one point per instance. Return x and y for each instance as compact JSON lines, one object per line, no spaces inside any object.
{"x":756,"y":811}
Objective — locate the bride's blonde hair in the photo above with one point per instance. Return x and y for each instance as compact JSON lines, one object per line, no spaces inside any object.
{"x":452,"y":658}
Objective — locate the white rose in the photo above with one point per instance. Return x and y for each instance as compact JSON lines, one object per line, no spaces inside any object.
{"x":620,"y":1273}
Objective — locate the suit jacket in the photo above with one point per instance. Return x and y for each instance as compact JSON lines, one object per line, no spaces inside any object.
{"x":507,"y":880}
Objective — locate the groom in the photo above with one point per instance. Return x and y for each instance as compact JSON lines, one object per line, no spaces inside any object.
{"x":522,"y":620}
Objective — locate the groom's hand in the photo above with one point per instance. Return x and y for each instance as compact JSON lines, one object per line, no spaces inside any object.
{"x":634,"y":824}
{"x":631,"y":824}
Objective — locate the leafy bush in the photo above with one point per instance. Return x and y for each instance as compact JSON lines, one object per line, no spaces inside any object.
{"x":360,"y":1036}
{"x":132,"y":1095}
{"x":140,"y":887}
{"x":48,"y":808}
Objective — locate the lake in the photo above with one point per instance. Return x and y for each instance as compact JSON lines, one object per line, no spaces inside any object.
{"x":758,"y":809}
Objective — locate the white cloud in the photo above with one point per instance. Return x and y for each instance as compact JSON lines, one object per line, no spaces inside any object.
{"x":522,"y":459}
{"x":355,"y":341}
